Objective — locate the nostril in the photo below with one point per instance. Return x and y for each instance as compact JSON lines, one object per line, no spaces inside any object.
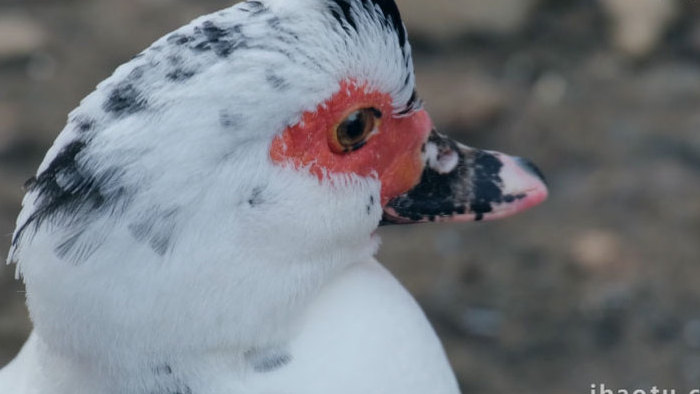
{"x":530,"y":167}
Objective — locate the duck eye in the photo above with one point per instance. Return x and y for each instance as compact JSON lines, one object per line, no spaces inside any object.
{"x":352,"y":133}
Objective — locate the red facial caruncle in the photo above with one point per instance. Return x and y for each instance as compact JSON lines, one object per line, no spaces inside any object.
{"x":391,"y":151}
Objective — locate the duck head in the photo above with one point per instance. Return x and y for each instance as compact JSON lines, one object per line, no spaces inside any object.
{"x":214,"y":183}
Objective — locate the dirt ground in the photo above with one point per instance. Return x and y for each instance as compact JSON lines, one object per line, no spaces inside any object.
{"x":595,"y":286}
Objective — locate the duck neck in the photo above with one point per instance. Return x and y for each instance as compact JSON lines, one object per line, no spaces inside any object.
{"x":144,"y":327}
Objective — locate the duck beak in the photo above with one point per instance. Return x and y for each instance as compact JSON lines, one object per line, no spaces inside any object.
{"x":460,"y":184}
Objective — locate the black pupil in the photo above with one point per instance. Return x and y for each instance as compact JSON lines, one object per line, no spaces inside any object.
{"x":355,"y":126}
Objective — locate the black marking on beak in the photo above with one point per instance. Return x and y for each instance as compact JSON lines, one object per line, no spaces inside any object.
{"x":457,"y":181}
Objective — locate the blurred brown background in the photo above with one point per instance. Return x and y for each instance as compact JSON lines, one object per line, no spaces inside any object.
{"x":595,"y":286}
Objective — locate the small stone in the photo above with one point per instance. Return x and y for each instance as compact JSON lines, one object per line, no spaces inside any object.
{"x":482,"y":322}
{"x":449,"y":243}
{"x":21,"y":36}
{"x":550,"y":89}
{"x":604,"y":66}
{"x":596,"y":250}
{"x":41,"y":67}
{"x":639,"y":25}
